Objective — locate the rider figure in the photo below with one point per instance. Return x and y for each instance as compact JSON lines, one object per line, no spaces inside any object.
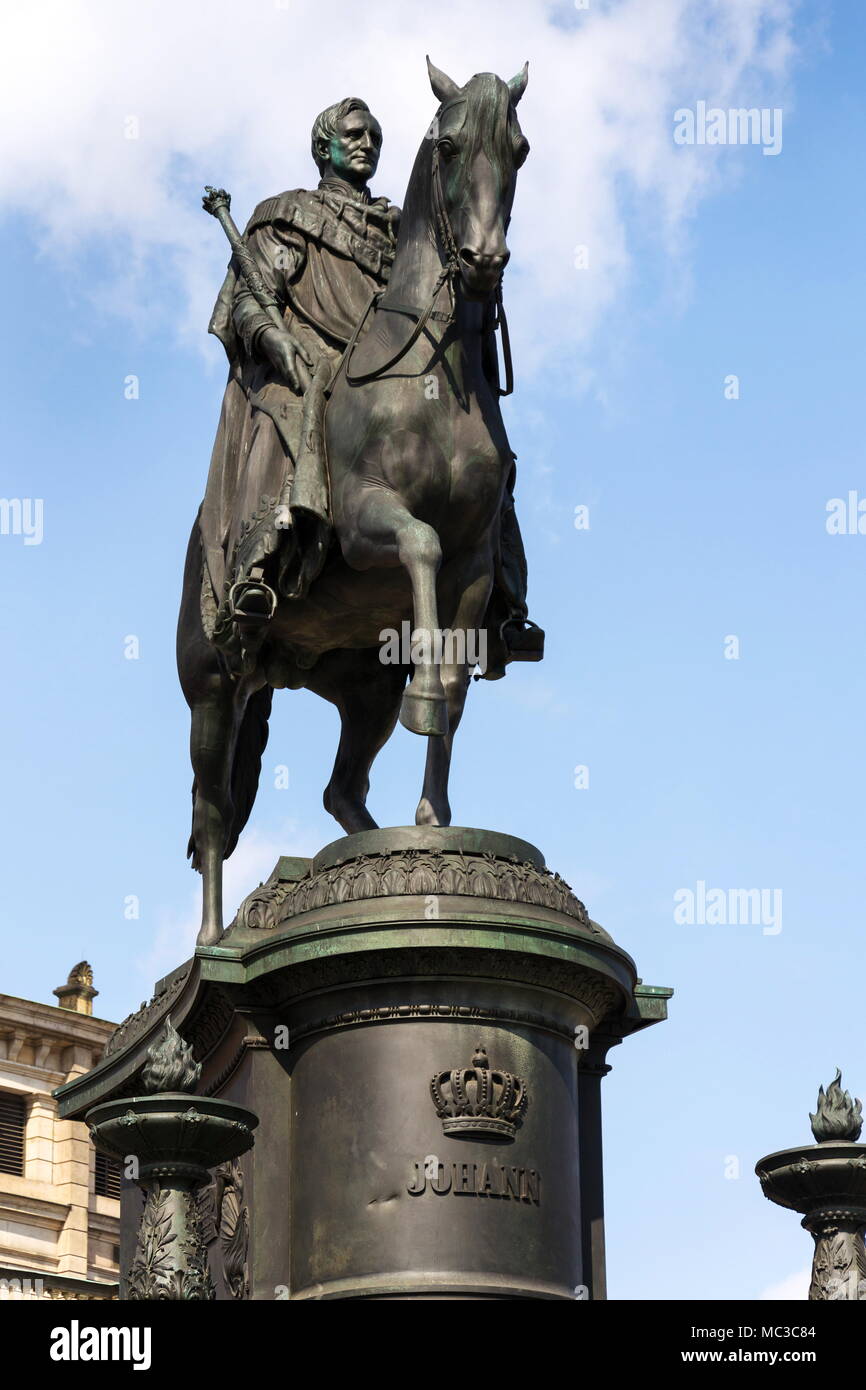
{"x":265,"y":516}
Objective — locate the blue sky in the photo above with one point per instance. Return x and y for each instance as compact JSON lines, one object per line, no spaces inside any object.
{"x":707,"y":519}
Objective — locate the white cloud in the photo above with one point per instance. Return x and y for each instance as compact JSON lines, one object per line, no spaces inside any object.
{"x":228,"y":96}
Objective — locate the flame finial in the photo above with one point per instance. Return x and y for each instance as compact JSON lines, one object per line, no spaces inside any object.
{"x":837,"y":1116}
{"x":170,"y":1065}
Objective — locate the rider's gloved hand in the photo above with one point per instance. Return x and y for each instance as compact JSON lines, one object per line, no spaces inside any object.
{"x":290,"y":358}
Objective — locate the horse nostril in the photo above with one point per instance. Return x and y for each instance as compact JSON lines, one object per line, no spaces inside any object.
{"x":478,"y":260}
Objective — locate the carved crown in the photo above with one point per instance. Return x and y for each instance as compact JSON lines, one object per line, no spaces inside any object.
{"x":477,"y":1100}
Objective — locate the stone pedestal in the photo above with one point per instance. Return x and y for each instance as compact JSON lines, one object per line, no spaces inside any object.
{"x":420,"y":1018}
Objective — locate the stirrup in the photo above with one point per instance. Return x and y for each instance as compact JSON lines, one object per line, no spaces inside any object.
{"x":525,"y":642}
{"x":251,"y":602}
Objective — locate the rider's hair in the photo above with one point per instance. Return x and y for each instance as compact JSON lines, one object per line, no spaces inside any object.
{"x":325,"y":125}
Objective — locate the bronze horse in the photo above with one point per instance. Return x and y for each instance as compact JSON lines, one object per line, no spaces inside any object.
{"x":418,"y":461}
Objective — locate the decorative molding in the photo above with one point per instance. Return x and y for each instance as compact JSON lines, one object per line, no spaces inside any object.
{"x":138,"y":1023}
{"x":210,"y":1022}
{"x":224,"y":1217}
{"x":413,"y":873}
{"x":247,"y":1045}
{"x":448,"y":1011}
{"x":233,"y":1227}
{"x":588,"y":987}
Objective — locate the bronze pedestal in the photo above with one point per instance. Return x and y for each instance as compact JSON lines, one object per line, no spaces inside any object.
{"x":420,"y":1019}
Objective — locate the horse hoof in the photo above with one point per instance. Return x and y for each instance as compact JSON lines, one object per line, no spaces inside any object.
{"x":209,"y":934}
{"x":427,"y":814}
{"x":349,"y":812}
{"x":424,"y":714}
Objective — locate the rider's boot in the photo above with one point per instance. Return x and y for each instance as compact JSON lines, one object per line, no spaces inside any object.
{"x":252,"y":603}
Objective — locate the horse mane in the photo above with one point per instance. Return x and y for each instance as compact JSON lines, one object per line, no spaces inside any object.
{"x":417,"y":234}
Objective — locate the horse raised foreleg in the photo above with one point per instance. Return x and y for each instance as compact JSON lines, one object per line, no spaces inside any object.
{"x":424,"y":708}
{"x":383,"y":524}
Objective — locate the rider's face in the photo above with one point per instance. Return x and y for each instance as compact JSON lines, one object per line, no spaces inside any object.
{"x":353,"y":153}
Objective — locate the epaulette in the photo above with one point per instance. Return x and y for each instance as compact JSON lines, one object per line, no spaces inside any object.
{"x":280,"y":208}
{"x":314,"y":215}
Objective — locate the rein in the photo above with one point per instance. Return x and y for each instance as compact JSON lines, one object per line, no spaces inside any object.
{"x":448,"y":273}
{"x":383,"y":367}
{"x":501,"y":322}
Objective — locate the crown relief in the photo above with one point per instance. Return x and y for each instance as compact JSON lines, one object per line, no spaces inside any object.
{"x":479,"y":1100}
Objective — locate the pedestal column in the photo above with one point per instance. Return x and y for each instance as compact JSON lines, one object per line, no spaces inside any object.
{"x":168,"y":1141}
{"x":827,"y":1182}
{"x":839,"y":1263}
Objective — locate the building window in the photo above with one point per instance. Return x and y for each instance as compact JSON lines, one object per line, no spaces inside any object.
{"x":107,"y":1176}
{"x":13,"y":1118}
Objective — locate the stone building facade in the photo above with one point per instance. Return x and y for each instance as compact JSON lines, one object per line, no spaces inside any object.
{"x":59,"y":1200}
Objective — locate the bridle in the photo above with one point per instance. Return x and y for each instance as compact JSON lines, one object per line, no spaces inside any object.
{"x":448,"y":274}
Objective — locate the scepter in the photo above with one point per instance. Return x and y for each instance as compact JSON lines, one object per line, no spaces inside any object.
{"x":218,"y":202}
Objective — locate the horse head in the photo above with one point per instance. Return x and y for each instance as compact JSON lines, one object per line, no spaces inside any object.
{"x":478,"y":148}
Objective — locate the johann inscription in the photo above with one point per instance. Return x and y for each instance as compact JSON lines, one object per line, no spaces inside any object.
{"x":475,"y":1180}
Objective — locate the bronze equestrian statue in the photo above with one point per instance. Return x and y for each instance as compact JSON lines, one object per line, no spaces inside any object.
{"x":361,"y":477}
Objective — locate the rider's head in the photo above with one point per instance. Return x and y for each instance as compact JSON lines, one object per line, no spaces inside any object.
{"x":346,"y":142}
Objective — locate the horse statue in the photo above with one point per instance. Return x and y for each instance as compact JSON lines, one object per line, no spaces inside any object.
{"x":418,"y":468}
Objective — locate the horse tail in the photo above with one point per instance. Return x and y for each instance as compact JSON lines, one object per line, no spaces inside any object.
{"x":200,"y":669}
{"x":251,"y":742}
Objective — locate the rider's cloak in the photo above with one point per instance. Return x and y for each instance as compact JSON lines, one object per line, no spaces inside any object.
{"x":321,"y":254}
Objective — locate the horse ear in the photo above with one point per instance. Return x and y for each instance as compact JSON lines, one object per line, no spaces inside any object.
{"x":442,"y":85}
{"x":517,"y":85}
